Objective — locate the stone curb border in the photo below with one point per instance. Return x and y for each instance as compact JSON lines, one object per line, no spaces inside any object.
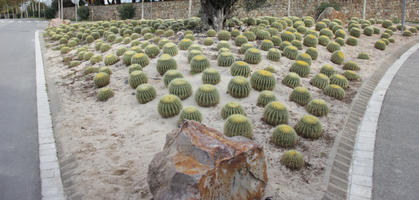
{"x":342,"y":154}
{"x":51,"y":184}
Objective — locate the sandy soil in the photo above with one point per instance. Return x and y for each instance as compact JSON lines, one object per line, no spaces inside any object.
{"x":114,"y":141}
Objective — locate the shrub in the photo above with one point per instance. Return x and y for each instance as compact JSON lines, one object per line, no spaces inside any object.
{"x":181,"y":88}
{"x":325,"y":5}
{"x":170,"y":75}
{"x":301,"y":68}
{"x":169,"y":106}
{"x":232,"y":108}
{"x":274,"y":55}
{"x":238,"y":125}
{"x":309,"y":127}
{"x":320,"y":81}
{"x":83,"y":13}
{"x":337,"y":57}
{"x":207,"y":96}
{"x":199,"y":63}
{"x":126,"y":11}
{"x":334,"y":91}
{"x":211,"y":76}
{"x":253,"y":56}
{"x":101,"y":79}
{"x":262,"y":80}
{"x":225,"y":59}
{"x":300,"y":95}
{"x":317,"y":107}
{"x":238,"y":87}
{"x":190,"y":113}
{"x":284,"y":136}
{"x":275,"y":113}
{"x":240,"y":68}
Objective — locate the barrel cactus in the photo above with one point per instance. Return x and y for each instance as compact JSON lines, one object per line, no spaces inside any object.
{"x":145,"y":93}
{"x":223,"y":44}
{"x":300,"y":95}
{"x":380,"y":44}
{"x":304,"y":57}
{"x":96,"y":59}
{"x":121,"y":50}
{"x":284,"y":45}
{"x":312,"y":52}
{"x":207,"y":95}
{"x":298,"y":44}
{"x":351,"y":65}
{"x":249,"y":35}
{"x":337,"y":57}
{"x":291,"y":52}
{"x":190,"y":113}
{"x":141,"y":59}
{"x":355,"y":32}
{"x":339,"y":33}
{"x":211,"y":76}
{"x":134,"y":67}
{"x":232,"y":108}
{"x":170,"y":48}
{"x":287,"y":36}
{"x":185,"y":44}
{"x":137,"y":78}
{"x":351,"y":75}
{"x":152,"y":50}
{"x":293,"y":160}
{"x":105,"y":47}
{"x":165,"y":63}
{"x":224,"y":35}
{"x":111,"y":59}
{"x":104,"y":94}
{"x":320,"y":25}
{"x":274,"y":55}
{"x":284,"y":136}
{"x":238,"y":87}
{"x":340,"y":80}
{"x":193,"y":53}
{"x":199,"y":63}
{"x":240,"y":40}
{"x":169,"y":106}
{"x":101,"y":79}
{"x":320,"y":81}
{"x":262,"y":80}
{"x":301,"y":68}
{"x":317,"y":107}
{"x":240,"y":68}
{"x":90,"y":70}
{"x":211,"y":33}
{"x":324,"y":40}
{"x":291,"y":80}
{"x":208,"y":42}
{"x":275,"y":113}
{"x":266,"y":45}
{"x":340,"y":41}
{"x":368,"y":31}
{"x":238,"y":125}
{"x":333,"y":46}
{"x":327,"y":32}
{"x":352,"y":41}
{"x":262,"y":35}
{"x":334,"y":91}
{"x":265,"y":97}
{"x":225,"y":59}
{"x":170,"y":75}
{"x":181,"y":88}
{"x":310,"y":41}
{"x":309,"y":127}
{"x":363,"y":56}
{"x":253,"y":56}
{"x":105,"y":69}
{"x":276,"y":40}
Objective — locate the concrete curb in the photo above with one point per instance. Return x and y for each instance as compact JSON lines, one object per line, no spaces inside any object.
{"x":338,"y":174}
{"x":51,"y":184}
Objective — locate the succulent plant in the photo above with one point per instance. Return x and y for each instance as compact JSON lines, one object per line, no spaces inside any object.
{"x":387,"y":23}
{"x":309,"y":127}
{"x":141,"y":59}
{"x":211,"y":33}
{"x":337,"y":57}
{"x":105,"y":47}
{"x":249,"y":35}
{"x":181,"y":88}
{"x":189,"y":36}
{"x":351,"y":75}
{"x":340,"y":41}
{"x":304,"y":57}
{"x":287,"y":36}
{"x":222,"y":50}
{"x":208,"y":42}
{"x":136,"y":49}
{"x":327,"y":70}
{"x":240,"y":40}
{"x":74,"y":63}
{"x":110,"y":59}
{"x":340,"y":80}
{"x":320,"y":26}
{"x":262,"y":80}
{"x":193,"y":53}
{"x":355,"y":32}
{"x":207,"y":95}
{"x":368,"y":31}
{"x":223,"y":44}
{"x":90,"y":70}
{"x":310,"y":40}
{"x":363,"y":56}
{"x":276,"y":40}
{"x":170,"y":48}
{"x":134,"y":67}
{"x":352,"y":41}
{"x":324,"y":40}
{"x":169,"y":106}
{"x":101,"y":79}
{"x":301,"y":68}
{"x":291,"y":80}
{"x":152,"y":50}
{"x":292,"y":159}
{"x":291,"y":52}
{"x":275,"y":113}
{"x":165,"y":63}
{"x":190,"y":113}
{"x":333,"y":46}
{"x":317,"y":107}
{"x":126,"y":58}
{"x":225,"y":59}
{"x":266,"y":45}
{"x":105,"y":69}
{"x":253,"y":56}
{"x":284,"y":136}
{"x":238,"y":87}
{"x":274,"y":55}
{"x":97,"y":59}
{"x":380,"y":44}
{"x":224,"y":35}
{"x":137,"y":78}
{"x":232,"y":108}
{"x":312,"y":52}
{"x":238,"y":125}
{"x":211,"y":76}
{"x":65,"y":50}
{"x":170,"y":75}
{"x":320,"y":81}
{"x":104,"y":94}
{"x":245,"y":47}
{"x":340,"y":34}
{"x":351,"y":65}
{"x":300,"y":95}
{"x":185,"y":44}
{"x":334,"y":91}
{"x":265,"y":97}
{"x":327,"y":32}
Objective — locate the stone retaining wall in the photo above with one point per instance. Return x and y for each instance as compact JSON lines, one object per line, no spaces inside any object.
{"x":383,"y":9}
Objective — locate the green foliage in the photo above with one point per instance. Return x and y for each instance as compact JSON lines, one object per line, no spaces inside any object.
{"x":207,"y":95}
{"x":312,"y":52}
{"x":325,"y":5}
{"x":300,"y":95}
{"x":291,"y":80}
{"x":169,"y":106}
{"x":290,"y":52}
{"x":351,"y":75}
{"x":50,"y":13}
{"x":262,"y":80}
{"x":249,"y":35}
{"x":104,"y":94}
{"x":238,"y":125}
{"x":275,"y":113}
{"x":266,"y":45}
{"x":274,"y":55}
{"x":317,"y":107}
{"x":225,"y":59}
{"x":324,"y":40}
{"x":253,"y":56}
{"x":224,"y":35}
{"x":320,"y":81}
{"x":83,"y":13}
{"x":309,"y":127}
{"x":310,"y":41}
{"x":301,"y":68}
{"x":211,"y":76}
{"x":232,"y":108}
{"x":101,"y":79}
{"x":265,"y":97}
{"x":334,"y":91}
{"x":238,"y":87}
{"x":185,"y":44}
{"x":337,"y":57}
{"x":110,"y":59}
{"x":240,"y":68}
{"x":181,"y":88}
{"x":352,"y":41}
{"x":190,"y":113}
{"x":165,"y":63}
{"x":333,"y":46}
{"x":141,"y":59}
{"x":284,"y":136}
{"x":137,"y":78}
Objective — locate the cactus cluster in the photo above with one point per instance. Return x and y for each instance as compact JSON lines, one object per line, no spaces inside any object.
{"x":211,"y":76}
{"x":145,"y":93}
{"x":232,"y":108}
{"x":253,"y":56}
{"x":169,"y":106}
{"x":207,"y":95}
{"x":238,"y":125}
{"x":190,"y":113}
{"x":238,"y":87}
{"x":317,"y":107}
{"x":181,"y":88}
{"x":275,"y":113}
{"x":284,"y":136}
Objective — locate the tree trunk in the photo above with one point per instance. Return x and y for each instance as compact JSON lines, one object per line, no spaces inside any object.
{"x":214,"y":16}
{"x":190,"y":9}
{"x":142,"y":9}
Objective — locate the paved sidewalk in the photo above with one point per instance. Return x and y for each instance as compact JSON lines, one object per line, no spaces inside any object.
{"x":396,"y":157}
{"x":19,"y":159}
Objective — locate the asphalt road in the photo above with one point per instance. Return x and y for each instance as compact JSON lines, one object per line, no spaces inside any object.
{"x":396,"y":158}
{"x":19,"y":159}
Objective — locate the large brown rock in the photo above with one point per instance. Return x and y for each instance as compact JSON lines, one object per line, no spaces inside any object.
{"x":331,"y":13}
{"x":200,"y":163}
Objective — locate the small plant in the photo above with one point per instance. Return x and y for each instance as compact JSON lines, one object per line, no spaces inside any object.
{"x":145,"y":93}
{"x":320,"y":26}
{"x":225,"y":59}
{"x":320,"y":81}
{"x":304,"y":57}
{"x":337,"y":57}
{"x":181,"y":88}
{"x":340,"y":41}
{"x":368,"y":31}
{"x":232,"y":108}
{"x":262,"y":35}
{"x":101,"y":79}
{"x":327,"y":32}
{"x":324,"y":40}
{"x":317,"y":107}
{"x":363,"y":56}
{"x":224,"y":35}
{"x":275,"y":113}
{"x":284,"y":45}
{"x":223,"y":44}
{"x":287,"y":36}
{"x":141,"y":59}
{"x":105,"y":47}
{"x":137,"y":78}
{"x":387,"y":23}
{"x":199,"y":63}
{"x":170,"y":48}
{"x":301,"y":68}
{"x":170,"y":75}
{"x":249,"y":35}
{"x":266,"y":45}
{"x":340,"y":80}
{"x":110,"y":59}
{"x":238,"y":87}
{"x":334,"y":91}
{"x":274,"y":55}
{"x":104,"y":94}
{"x":291,"y":80}
{"x":126,"y":58}
{"x":351,"y":65}
{"x":207,"y":96}
{"x":253,"y":56}
{"x":208,"y":42}
{"x":265,"y":97}
{"x":407,"y":33}
{"x":238,"y":125}
{"x":192,"y":53}
{"x":352,"y":41}
{"x":276,"y":40}
{"x":169,"y":106}
{"x":262,"y":80}
{"x":211,"y":76}
{"x":333,"y":46}
{"x":291,"y":52}
{"x":351,"y":75}
{"x":190,"y":113}
{"x":211,"y":33}
{"x":293,"y":160}
{"x":90,"y":70}
{"x":97,"y":59}
{"x":240,"y":68}
{"x":309,"y":127}
{"x":152,"y":50}
{"x":340,"y":34}
{"x":355,"y":32}
{"x":165,"y":63}
{"x":185,"y":44}
{"x":300,"y":95}
{"x":312,"y":52}
{"x":284,"y":136}
{"x":310,"y":41}
{"x":106,"y":70}
{"x":240,"y":40}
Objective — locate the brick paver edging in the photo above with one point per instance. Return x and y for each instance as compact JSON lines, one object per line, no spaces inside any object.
{"x":338,"y":170}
